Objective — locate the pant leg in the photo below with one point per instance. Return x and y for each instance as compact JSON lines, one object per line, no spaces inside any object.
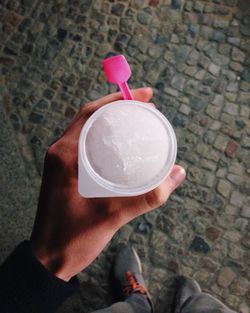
{"x":135,"y":303}
{"x":204,"y":303}
{"x":118,"y":307}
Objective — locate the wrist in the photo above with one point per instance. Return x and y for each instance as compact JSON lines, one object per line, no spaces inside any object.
{"x":65,"y":259}
{"x":53,"y":262}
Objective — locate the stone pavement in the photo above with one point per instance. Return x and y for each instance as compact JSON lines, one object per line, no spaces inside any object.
{"x":196,"y":56}
{"x":18,"y":198}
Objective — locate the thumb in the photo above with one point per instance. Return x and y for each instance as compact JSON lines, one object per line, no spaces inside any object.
{"x":145,"y":203}
{"x":159,"y":195}
{"x":176,"y":177}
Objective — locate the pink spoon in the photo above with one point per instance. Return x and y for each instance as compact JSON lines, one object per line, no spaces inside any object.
{"x":118,"y":72}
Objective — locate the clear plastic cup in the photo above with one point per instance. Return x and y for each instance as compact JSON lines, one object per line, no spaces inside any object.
{"x":91,"y":184}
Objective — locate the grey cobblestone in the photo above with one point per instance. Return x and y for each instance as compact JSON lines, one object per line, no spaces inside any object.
{"x":226,"y":277}
{"x":224,"y":188}
{"x":195,"y":54}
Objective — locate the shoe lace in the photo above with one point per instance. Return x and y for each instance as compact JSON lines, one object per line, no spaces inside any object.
{"x":134,"y":286}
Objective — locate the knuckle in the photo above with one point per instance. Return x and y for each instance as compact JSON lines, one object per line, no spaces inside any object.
{"x":86,"y":107}
{"x":155,"y":198}
{"x":52,"y":150}
{"x":87,"y":110}
{"x":54,"y":155}
{"x":59,"y":157}
{"x":82,"y":109}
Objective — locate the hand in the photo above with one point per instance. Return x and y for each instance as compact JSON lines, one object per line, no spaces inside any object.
{"x":70,"y":231}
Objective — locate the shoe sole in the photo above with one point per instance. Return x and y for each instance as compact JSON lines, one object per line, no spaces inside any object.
{"x":138,"y":260}
{"x":219,"y":302}
{"x":140,"y":270}
{"x":197,"y":285}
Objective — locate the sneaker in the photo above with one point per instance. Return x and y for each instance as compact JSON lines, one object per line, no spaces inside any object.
{"x":127,"y":274}
{"x":185,"y":288}
{"x":190,"y":298}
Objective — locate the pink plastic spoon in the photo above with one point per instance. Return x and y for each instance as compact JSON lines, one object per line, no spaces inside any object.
{"x":118,"y":72}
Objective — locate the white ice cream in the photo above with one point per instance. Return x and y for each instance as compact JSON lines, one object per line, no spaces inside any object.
{"x":127,"y":145}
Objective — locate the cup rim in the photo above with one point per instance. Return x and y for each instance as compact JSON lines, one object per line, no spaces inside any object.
{"x":119,"y":188}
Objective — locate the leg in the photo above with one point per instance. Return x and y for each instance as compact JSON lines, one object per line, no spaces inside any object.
{"x":118,"y":307}
{"x":135,"y":303}
{"x":128,"y":280}
{"x":190,"y":299}
{"x":128,"y":284}
{"x":204,"y":303}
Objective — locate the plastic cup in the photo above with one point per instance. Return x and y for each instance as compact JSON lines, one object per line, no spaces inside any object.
{"x":91,"y":184}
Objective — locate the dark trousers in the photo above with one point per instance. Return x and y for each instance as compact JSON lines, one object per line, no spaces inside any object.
{"x":136,"y":303}
{"x":198,"y":303}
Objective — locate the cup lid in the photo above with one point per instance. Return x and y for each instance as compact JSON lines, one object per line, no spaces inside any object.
{"x":128,"y":147}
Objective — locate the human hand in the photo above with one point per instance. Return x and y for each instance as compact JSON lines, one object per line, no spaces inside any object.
{"x":70,"y":231}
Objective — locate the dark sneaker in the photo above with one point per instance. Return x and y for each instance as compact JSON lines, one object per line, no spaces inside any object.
{"x":185,"y":288}
{"x":127,"y":275}
{"x":190,"y":299}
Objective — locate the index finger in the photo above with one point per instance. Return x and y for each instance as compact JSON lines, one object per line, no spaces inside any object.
{"x":74,"y":129}
{"x":140,"y":94}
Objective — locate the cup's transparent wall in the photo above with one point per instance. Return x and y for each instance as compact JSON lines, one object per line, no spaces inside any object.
{"x":92,"y":185}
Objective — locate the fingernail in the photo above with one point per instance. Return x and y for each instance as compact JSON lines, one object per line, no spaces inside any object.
{"x":178,"y":174}
{"x":151,"y":104}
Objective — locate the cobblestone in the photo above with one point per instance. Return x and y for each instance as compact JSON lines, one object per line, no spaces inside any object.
{"x":184,"y":109}
{"x":226,"y":277}
{"x":213,"y":111}
{"x":199,"y":245}
{"x":213,"y":233}
{"x":232,"y":235}
{"x":231,"y":148}
{"x":240,"y":286}
{"x":235,"y":66}
{"x":195,"y":55}
{"x":236,"y":199}
{"x":214,"y":69}
{"x":221,"y":142}
{"x":245,"y":212}
{"x":224,"y":188}
{"x":231,"y":108}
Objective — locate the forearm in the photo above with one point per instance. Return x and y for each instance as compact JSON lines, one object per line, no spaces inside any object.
{"x":27,"y":286}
